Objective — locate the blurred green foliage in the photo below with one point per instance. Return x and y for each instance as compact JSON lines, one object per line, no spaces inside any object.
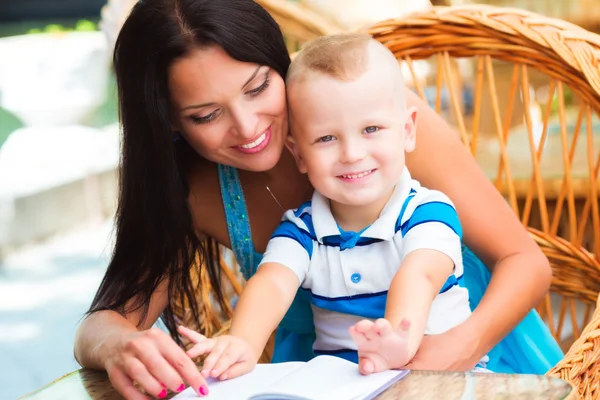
{"x":83,"y":25}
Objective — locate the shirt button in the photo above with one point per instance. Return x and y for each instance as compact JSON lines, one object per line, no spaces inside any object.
{"x":355,"y":278}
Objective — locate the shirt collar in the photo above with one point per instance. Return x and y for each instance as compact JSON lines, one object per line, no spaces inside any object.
{"x":383,"y":228}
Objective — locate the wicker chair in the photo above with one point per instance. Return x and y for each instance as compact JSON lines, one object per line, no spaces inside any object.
{"x":562,"y":189}
{"x":299,"y":22}
{"x":559,"y":208}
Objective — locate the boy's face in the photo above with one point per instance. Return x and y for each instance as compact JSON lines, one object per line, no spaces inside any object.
{"x":350,"y":136}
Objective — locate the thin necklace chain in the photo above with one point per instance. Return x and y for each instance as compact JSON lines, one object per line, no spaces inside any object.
{"x":275,"y":198}
{"x":277,"y":201}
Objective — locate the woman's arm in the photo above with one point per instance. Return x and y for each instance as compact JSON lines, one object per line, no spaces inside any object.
{"x":148,"y":356}
{"x":491,"y":230}
{"x":93,"y":341}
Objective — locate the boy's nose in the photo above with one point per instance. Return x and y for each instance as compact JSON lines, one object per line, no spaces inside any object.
{"x":353,"y":151}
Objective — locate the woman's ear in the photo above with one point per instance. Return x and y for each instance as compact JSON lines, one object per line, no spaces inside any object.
{"x":410,"y":129}
{"x":292,"y":146}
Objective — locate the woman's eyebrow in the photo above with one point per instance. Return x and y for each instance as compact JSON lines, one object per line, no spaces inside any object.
{"x":212,"y":104}
{"x":251,"y":77}
{"x":197,"y":106}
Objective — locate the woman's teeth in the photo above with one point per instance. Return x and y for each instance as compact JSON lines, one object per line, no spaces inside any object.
{"x":256,"y":142}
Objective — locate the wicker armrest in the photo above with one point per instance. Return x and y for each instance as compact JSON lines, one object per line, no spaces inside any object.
{"x":580,"y":366}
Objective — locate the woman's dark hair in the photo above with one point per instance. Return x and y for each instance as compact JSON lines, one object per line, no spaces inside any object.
{"x":155,"y":235}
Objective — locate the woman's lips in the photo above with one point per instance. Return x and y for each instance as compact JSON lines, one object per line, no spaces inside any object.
{"x":256,"y":145}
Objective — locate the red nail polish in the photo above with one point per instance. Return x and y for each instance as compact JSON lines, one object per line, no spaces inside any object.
{"x":181,"y":388}
{"x":203,"y":390}
{"x":162,"y":394}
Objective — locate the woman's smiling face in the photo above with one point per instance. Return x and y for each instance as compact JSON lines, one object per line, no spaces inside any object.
{"x":231,"y":112}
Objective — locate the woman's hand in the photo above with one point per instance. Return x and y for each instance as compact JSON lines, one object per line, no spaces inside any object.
{"x":153,"y":360}
{"x":452,"y":350}
{"x":228,"y":356}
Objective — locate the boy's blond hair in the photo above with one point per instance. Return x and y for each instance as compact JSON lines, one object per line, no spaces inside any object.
{"x":344,"y":56}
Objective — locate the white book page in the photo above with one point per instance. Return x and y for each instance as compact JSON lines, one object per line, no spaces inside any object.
{"x":260,"y":379}
{"x":329,"y":378}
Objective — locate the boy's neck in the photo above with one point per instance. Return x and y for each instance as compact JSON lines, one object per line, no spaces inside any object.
{"x":356,"y":218}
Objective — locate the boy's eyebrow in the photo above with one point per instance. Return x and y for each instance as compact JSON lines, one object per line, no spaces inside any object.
{"x":212,"y":104}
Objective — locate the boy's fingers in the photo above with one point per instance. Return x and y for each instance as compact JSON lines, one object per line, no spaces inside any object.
{"x":366,"y":366}
{"x":190,"y":334}
{"x":363,"y":326}
{"x":229,"y":357}
{"x":356,"y":335}
{"x":213,"y":357}
{"x":383,"y":327}
{"x":201,"y":348}
{"x":236,"y":370}
{"x":404,"y":328}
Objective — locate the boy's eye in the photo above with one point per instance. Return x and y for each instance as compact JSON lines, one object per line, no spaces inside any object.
{"x":371,"y":129}
{"x":324,"y":139}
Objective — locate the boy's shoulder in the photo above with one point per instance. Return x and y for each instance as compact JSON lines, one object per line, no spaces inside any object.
{"x":427,"y":205}
{"x":419,"y":194}
{"x":301,"y":213}
{"x":300,"y":217}
{"x":423,"y":200}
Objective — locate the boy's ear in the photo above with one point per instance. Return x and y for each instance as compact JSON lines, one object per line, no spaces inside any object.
{"x":410,"y":129}
{"x":292,"y":146}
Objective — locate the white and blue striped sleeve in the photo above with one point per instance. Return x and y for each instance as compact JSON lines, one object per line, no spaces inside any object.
{"x":291,"y":245}
{"x":433,"y":224}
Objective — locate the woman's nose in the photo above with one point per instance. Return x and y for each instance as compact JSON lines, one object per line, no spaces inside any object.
{"x":245,"y":122}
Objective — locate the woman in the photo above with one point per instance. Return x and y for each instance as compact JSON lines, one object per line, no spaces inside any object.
{"x":202,"y":104}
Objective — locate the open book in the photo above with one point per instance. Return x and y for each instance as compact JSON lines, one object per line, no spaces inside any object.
{"x":324,"y":377}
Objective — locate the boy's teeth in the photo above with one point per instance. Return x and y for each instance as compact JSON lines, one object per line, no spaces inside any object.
{"x":356,"y":176}
{"x":256,"y":142}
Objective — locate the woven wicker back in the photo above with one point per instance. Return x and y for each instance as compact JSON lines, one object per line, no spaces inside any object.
{"x":523,"y":92}
{"x":299,"y":22}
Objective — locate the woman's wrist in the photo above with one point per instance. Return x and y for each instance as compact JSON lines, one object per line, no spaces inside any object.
{"x":471,"y":334}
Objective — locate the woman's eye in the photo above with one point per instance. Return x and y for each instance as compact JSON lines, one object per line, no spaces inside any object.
{"x":325,"y":139}
{"x":206,"y":119}
{"x":371,"y":129}
{"x":261,"y":88}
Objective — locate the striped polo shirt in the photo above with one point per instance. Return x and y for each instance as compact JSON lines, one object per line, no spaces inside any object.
{"x":348,"y":274}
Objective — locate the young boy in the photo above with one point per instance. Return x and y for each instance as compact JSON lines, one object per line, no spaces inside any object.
{"x":379,"y":254}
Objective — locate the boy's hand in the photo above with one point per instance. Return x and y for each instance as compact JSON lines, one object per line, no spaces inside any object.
{"x":228,"y":356}
{"x":380,"y":347}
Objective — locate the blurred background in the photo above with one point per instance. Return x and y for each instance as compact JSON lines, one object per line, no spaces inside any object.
{"x":59,"y":151}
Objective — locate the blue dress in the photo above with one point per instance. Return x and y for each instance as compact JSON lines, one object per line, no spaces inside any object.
{"x":529,"y":348}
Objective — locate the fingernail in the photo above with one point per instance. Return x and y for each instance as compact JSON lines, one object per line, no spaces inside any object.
{"x":162,"y":394}
{"x":163,"y":385}
{"x":203,"y":390}
{"x":181,"y":388}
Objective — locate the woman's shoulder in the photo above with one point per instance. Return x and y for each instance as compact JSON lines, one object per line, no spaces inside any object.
{"x":204,"y":195}
{"x":202,"y":174}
